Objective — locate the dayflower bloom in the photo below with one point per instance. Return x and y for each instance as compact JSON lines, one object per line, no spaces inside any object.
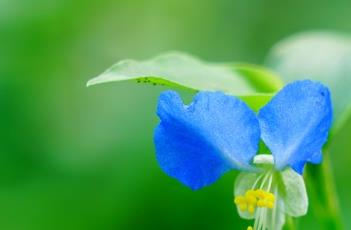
{"x":199,"y":142}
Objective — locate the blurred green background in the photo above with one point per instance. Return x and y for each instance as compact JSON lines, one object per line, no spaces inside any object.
{"x":73,"y":157}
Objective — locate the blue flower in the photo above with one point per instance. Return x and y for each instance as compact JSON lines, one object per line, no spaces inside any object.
{"x":199,"y":142}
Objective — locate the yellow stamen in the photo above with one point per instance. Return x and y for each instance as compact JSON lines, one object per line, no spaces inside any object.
{"x":251,"y":200}
{"x":260,"y":203}
{"x":250,"y":192}
{"x":255,"y":198}
{"x":243,"y":207}
{"x":260,"y":193}
{"x":251,"y":209}
{"x":270,"y":196}
{"x":270,"y":204}
{"x":239,"y":200}
{"x":250,"y":228}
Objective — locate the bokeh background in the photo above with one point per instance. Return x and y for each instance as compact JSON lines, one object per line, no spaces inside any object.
{"x":73,"y":157}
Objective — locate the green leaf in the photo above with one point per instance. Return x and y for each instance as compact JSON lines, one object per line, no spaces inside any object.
{"x":321,"y":56}
{"x":253,"y":84}
{"x":263,"y":79}
{"x":256,"y":101}
{"x":178,"y":70}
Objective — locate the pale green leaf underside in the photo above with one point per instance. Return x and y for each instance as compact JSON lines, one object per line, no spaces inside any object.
{"x":253,"y":84}
{"x":320,"y":56}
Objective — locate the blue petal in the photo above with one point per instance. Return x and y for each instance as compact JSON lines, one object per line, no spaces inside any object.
{"x":316,"y":158}
{"x":295,"y":124}
{"x":197,"y":143}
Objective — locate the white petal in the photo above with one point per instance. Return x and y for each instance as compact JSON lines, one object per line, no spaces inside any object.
{"x":277,"y":214}
{"x":295,"y":195}
{"x":244,"y":181}
{"x":263,"y":159}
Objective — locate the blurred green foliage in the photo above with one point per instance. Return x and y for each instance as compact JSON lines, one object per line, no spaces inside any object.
{"x":78,"y":158}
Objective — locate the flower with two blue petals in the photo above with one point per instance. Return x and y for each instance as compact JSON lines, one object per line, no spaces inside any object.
{"x":216,"y":133}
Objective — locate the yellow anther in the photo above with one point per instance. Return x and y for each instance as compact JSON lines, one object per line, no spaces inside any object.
{"x":250,"y":192}
{"x":251,"y":200}
{"x":251,"y":209}
{"x":239,"y":200}
{"x":261,"y":203}
{"x":250,"y":228}
{"x":269,"y":204}
{"x":243,"y":207}
{"x":260,"y":193}
{"x":269,"y":196}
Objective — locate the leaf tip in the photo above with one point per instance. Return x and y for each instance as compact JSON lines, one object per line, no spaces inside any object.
{"x":91,"y":82}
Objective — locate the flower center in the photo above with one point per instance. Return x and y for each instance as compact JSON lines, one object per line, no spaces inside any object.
{"x":258,"y":200}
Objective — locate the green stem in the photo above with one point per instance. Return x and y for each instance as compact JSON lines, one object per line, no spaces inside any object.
{"x":323,"y":196}
{"x":290,"y":223}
